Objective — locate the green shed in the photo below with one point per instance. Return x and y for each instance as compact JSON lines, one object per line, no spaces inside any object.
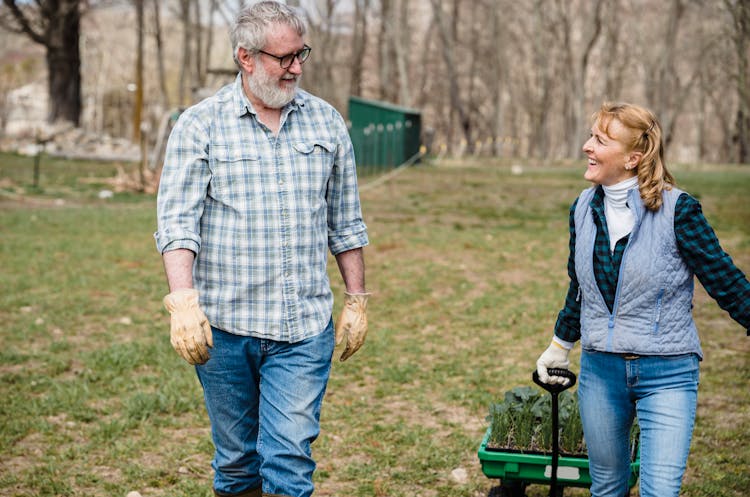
{"x":384,"y":135}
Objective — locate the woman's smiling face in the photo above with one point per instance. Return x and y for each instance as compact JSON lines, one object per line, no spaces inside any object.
{"x":609,"y":162}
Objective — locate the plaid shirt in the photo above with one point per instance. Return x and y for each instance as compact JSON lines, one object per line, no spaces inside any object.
{"x":698,"y":246}
{"x":261,"y":211}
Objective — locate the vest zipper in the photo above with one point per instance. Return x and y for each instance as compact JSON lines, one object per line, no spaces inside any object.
{"x":615,"y":304}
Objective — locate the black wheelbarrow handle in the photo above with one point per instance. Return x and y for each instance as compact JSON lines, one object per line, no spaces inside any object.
{"x":556,"y":387}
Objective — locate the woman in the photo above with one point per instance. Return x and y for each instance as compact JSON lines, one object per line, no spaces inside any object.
{"x":635,"y":243}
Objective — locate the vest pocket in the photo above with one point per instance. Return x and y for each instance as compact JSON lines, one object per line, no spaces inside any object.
{"x":657,"y":310}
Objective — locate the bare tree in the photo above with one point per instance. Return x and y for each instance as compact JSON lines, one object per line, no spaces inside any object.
{"x":212,"y":9}
{"x":524,"y":74}
{"x":385,"y":51}
{"x":187,"y":41}
{"x":670,"y":85}
{"x":401,"y":41}
{"x":138,"y":105}
{"x":498,"y":60}
{"x":576,"y":56}
{"x":539,"y":77}
{"x":739,"y":11}
{"x":359,"y":45}
{"x":320,"y":75}
{"x":161,"y":72}
{"x":613,"y":48}
{"x":198,"y":72}
{"x":448,"y":41}
{"x":394,"y":44}
{"x":54,"y":24}
{"x":426,"y":48}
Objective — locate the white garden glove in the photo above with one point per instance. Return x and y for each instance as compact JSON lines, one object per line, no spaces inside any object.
{"x":352,"y":323}
{"x":190,"y":332}
{"x":556,"y":356}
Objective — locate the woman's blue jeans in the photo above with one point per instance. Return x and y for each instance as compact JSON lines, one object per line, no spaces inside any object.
{"x":662,"y":391}
{"x":263,"y":399}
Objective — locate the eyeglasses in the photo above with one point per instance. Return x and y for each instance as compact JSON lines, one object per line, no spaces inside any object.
{"x":285,"y":61}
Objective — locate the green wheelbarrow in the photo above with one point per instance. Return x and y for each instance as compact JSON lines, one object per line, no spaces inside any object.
{"x":518,"y":470}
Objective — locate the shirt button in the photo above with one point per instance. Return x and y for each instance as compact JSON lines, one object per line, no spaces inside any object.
{"x":281,"y":182}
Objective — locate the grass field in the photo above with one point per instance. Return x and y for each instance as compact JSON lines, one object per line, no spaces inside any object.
{"x":467,"y":267}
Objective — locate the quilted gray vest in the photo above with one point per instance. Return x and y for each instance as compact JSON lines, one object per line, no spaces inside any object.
{"x":652,"y":312}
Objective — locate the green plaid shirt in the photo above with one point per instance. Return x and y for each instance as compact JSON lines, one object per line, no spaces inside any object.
{"x":698,"y":246}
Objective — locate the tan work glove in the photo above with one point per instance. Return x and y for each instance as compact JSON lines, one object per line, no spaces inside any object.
{"x":556,"y":356}
{"x":190,"y":332}
{"x":352,"y":323}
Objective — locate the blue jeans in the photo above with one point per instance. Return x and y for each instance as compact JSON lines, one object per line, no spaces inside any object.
{"x":662,"y":391}
{"x":263,"y":399}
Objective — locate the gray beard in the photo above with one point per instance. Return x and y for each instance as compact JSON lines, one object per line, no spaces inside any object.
{"x":266,"y":89}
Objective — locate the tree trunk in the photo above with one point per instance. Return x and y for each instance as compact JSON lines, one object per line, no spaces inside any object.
{"x":499,"y":62}
{"x":425,"y":83}
{"x":384,"y":53}
{"x":186,"y":43}
{"x":449,"y":45}
{"x":541,"y":82}
{"x":740,"y":12}
{"x":212,"y":7}
{"x":578,"y":77}
{"x":198,"y":71}
{"x":667,"y":84}
{"x":401,"y":47}
{"x":64,"y":81}
{"x":60,"y":36}
{"x":160,"y":56}
{"x":473,"y":68}
{"x":321,"y":74}
{"x":359,"y":46}
{"x":138,"y":104}
{"x":612,"y":46}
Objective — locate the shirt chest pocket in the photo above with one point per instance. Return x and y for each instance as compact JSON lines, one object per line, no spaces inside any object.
{"x":235,"y":174}
{"x":316,"y":156}
{"x":312,"y":167}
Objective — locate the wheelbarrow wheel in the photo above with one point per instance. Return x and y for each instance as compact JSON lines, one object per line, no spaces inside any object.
{"x":508,"y":489}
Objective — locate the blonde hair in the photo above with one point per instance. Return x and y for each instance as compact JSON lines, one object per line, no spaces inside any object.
{"x":642,"y":134}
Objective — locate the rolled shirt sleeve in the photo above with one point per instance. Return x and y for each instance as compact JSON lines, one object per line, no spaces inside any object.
{"x":346,"y":229}
{"x":183,"y":186}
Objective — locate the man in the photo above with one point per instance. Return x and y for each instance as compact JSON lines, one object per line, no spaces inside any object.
{"x":259,"y":182}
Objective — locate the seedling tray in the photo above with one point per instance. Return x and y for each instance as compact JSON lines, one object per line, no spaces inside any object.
{"x":573,"y":471}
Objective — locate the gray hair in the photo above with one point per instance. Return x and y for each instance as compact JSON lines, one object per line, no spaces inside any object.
{"x":252,"y":24}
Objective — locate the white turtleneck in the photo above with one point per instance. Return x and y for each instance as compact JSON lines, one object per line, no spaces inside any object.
{"x":620,"y":218}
